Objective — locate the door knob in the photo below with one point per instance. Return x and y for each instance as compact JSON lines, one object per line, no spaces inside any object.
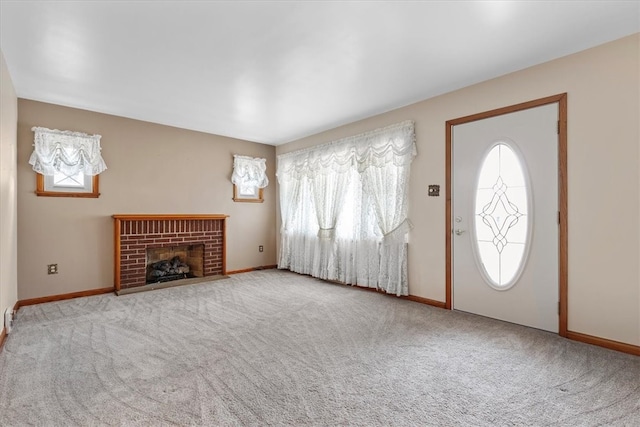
{"x":459,"y":232}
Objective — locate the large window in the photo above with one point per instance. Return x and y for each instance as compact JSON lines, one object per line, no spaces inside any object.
{"x":344,"y":209}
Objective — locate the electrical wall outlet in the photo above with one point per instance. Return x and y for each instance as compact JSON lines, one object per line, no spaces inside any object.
{"x":52,"y":269}
{"x":260,"y":248}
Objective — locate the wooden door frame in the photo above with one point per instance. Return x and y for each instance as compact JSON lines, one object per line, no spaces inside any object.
{"x":561,"y":99}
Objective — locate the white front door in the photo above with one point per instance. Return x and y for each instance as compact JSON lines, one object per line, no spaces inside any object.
{"x":505,"y":217}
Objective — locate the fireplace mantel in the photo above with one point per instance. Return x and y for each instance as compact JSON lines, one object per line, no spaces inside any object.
{"x":143,"y":217}
{"x":134,"y":233}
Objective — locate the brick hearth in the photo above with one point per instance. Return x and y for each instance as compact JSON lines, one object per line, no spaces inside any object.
{"x":134,"y":234}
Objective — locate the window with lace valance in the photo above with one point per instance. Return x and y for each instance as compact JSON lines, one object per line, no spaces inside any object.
{"x":344,"y":209}
{"x":67,"y":163}
{"x":249,"y":178}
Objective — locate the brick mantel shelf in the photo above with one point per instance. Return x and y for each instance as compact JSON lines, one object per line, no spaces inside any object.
{"x":135,"y":233}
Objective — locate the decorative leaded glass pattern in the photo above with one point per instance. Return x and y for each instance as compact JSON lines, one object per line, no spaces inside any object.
{"x":501,"y":215}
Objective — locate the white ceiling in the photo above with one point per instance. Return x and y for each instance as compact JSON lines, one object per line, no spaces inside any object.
{"x":275,"y":71}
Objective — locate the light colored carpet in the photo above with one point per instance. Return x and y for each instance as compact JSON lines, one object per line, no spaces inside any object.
{"x":277,"y":348}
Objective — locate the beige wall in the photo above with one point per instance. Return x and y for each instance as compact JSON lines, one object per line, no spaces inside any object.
{"x":151,"y":169}
{"x":8,"y":198}
{"x":604,"y":183}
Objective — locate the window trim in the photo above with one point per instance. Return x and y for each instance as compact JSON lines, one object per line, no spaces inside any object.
{"x":40,"y":189}
{"x":237,"y":197}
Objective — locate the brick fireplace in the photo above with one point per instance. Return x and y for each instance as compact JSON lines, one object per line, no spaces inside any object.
{"x":135,"y":235}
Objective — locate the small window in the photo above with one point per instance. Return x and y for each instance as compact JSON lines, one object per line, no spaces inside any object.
{"x":67,"y":163}
{"x":249,"y":178}
{"x":247,"y":193}
{"x":61,"y":180}
{"x":62,"y":185}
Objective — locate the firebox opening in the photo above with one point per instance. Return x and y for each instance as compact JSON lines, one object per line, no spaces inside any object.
{"x":174,"y":263}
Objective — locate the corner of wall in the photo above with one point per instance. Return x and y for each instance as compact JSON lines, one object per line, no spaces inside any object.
{"x":8,"y":192}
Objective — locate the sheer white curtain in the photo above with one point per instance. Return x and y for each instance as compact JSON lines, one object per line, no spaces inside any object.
{"x":67,"y":152}
{"x":344,"y":209}
{"x":328,"y":190}
{"x":387,"y":186}
{"x":289,"y":194}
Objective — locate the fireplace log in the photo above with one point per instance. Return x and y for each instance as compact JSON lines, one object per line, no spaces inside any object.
{"x":163,"y":268}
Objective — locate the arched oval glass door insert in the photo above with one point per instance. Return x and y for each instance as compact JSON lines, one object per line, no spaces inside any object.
{"x":502,"y":226}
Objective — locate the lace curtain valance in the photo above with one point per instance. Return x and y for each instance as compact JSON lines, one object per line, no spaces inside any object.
{"x":249,"y":171}
{"x":67,"y":152}
{"x":393,"y":144}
